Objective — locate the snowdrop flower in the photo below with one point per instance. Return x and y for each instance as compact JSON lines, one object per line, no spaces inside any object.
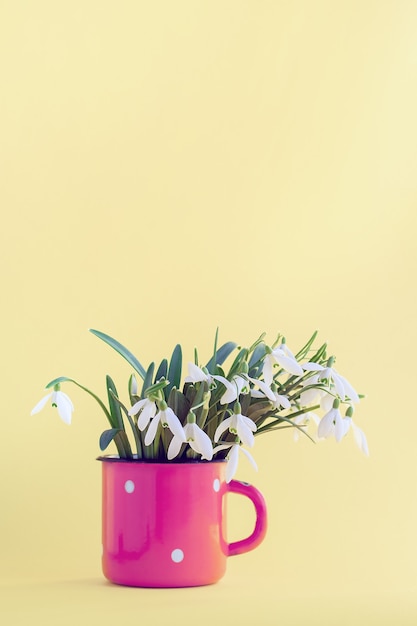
{"x":343,"y":387}
{"x":233,"y":458}
{"x":234,"y":388}
{"x":147,"y":410}
{"x":61,"y":401}
{"x":360,"y":438}
{"x":303,"y":421}
{"x":237,"y":424}
{"x":197,"y":375}
{"x":285,"y":359}
{"x":197,"y":439}
{"x":333,"y":424}
{"x":271,"y":393}
{"x":168,"y":419}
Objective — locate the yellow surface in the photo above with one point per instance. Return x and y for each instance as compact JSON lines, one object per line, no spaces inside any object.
{"x":167,"y":167}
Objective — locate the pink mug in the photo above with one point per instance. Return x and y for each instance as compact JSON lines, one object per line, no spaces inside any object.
{"x":164,"y":524}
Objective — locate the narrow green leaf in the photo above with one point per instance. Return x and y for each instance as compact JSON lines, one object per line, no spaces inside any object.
{"x":179,"y":404}
{"x":107,"y":437}
{"x":241,"y":356}
{"x":221,"y":355}
{"x":124,"y":352}
{"x":257,"y":355}
{"x":174,"y":371}
{"x":162,"y":370}
{"x":148,"y":379}
{"x":133,"y":425}
{"x":115,"y":411}
{"x":304,"y":350}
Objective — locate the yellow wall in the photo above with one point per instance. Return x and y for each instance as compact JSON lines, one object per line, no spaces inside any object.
{"x":169,"y":167}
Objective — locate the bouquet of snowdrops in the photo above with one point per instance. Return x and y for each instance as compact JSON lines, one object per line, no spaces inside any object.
{"x":216,"y":413}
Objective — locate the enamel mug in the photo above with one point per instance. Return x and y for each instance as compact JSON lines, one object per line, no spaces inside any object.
{"x":164,"y":524}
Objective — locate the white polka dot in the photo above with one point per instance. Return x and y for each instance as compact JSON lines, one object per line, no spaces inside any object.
{"x":177,"y":555}
{"x":216,"y":484}
{"x":129,"y":486}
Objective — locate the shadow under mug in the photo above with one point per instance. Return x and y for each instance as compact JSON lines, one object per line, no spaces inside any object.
{"x":164,"y":524}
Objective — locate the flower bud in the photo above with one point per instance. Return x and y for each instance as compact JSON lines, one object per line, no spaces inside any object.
{"x":191,"y":419}
{"x":349,"y":411}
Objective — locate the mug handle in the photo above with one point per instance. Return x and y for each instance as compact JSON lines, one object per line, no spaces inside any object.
{"x":259,"y":532}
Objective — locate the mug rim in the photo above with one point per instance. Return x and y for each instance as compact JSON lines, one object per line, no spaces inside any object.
{"x":114,"y":458}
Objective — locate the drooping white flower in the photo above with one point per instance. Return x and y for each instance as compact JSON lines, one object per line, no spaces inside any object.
{"x":167,"y":418}
{"x":233,"y":458}
{"x":360,"y":438}
{"x":278,"y":401}
{"x":303,"y":421}
{"x":342,"y":386}
{"x":284,"y":358}
{"x":197,"y":375}
{"x":240,"y":425}
{"x":61,"y":401}
{"x":147,"y":410}
{"x":197,"y":439}
{"x":333,"y":424}
{"x":234,"y":388}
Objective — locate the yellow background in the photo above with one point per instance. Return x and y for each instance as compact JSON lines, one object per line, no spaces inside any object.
{"x":169,"y":167}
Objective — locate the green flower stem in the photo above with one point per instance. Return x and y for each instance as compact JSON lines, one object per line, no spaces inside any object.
{"x":133,"y":426}
{"x":65,"y":379}
{"x":274,"y":426}
{"x":280,"y":418}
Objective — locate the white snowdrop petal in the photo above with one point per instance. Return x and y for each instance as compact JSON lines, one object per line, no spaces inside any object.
{"x":232,"y":462}
{"x":64,"y":407}
{"x":339,"y":386}
{"x":312,"y":367}
{"x":136,"y":407}
{"x":284,"y":402}
{"x":245,"y":434}
{"x":268,"y":370}
{"x":264,"y":388}
{"x":308,"y":397}
{"x":153,"y":427}
{"x":340,"y":429}
{"x":326,"y":426}
{"x":250,"y":458}
{"x":174,"y":448}
{"x":349,"y":390}
{"x":174,"y":424}
{"x":195,"y":374}
{"x":40,"y":404}
{"x":289,"y":365}
{"x":203,"y":444}
{"x":221,"y":428}
{"x":147,"y":413}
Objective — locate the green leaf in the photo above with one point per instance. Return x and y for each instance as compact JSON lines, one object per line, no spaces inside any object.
{"x":241,"y":356}
{"x":257,"y":355}
{"x":174,"y":371}
{"x":115,"y":412}
{"x":148,"y":379}
{"x":107,"y":437}
{"x":135,"y":430}
{"x":162,"y":370}
{"x":124,"y":352}
{"x":179,"y":404}
{"x":221,"y":355}
{"x":153,"y":389}
{"x":305,"y":349}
